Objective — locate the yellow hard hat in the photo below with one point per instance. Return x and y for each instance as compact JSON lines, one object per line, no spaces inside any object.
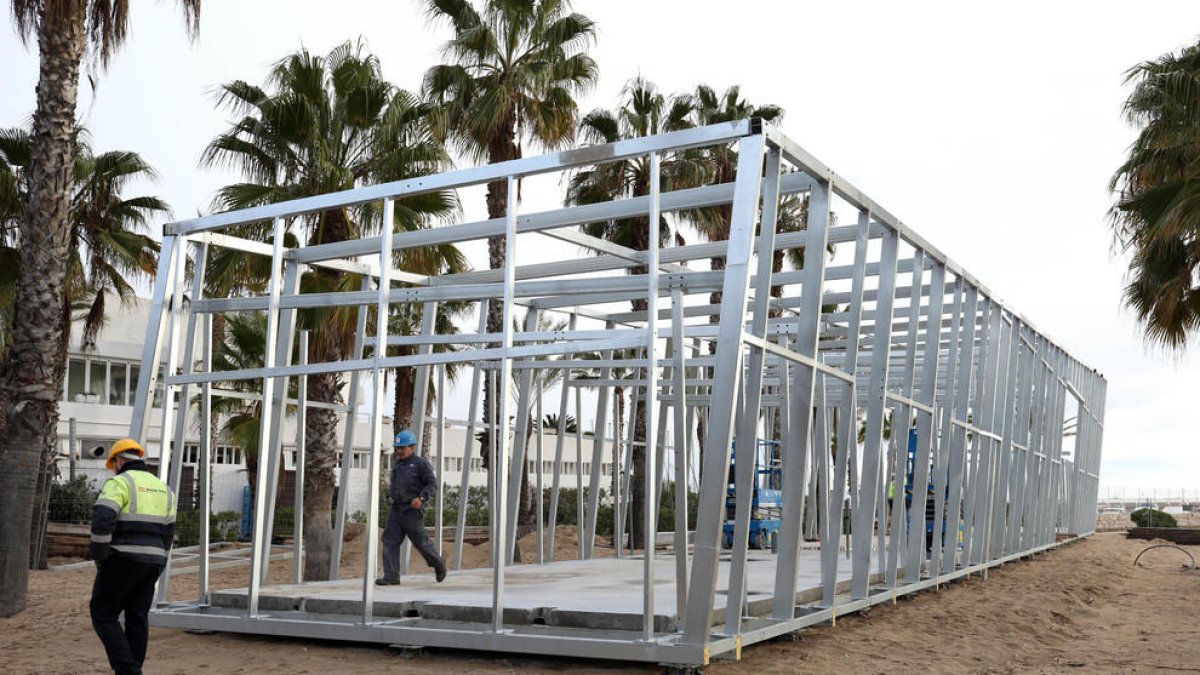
{"x":123,"y":445}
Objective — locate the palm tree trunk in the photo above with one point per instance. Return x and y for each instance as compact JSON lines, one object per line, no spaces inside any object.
{"x":405,"y":386}
{"x":618,"y":434}
{"x":637,"y":481}
{"x":320,"y":428}
{"x":502,"y":147}
{"x":525,"y":512}
{"x":330,"y":342}
{"x":497,"y":206}
{"x":32,"y":379}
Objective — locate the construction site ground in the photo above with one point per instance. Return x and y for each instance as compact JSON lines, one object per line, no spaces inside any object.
{"x":1081,"y":608}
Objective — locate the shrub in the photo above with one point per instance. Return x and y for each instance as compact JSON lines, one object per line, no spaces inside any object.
{"x":1152,"y":518}
{"x":222,"y":526}
{"x":71,"y":501}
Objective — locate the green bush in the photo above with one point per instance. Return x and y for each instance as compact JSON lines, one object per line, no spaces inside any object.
{"x":1152,"y":518}
{"x":222,"y":526}
{"x":71,"y":501}
{"x":477,"y":506}
{"x":284,"y":523}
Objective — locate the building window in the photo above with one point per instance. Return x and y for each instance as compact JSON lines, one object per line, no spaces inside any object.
{"x":103,"y":382}
{"x":118,"y":384}
{"x":76,"y":380}
{"x":98,"y":382}
{"x":221,"y":454}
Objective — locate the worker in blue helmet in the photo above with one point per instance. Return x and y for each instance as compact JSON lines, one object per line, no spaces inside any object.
{"x":413,"y":484}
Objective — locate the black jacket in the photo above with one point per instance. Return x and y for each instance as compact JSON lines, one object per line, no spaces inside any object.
{"x":412,"y":478}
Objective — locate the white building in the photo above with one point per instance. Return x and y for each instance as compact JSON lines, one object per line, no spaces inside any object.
{"x":100,"y":385}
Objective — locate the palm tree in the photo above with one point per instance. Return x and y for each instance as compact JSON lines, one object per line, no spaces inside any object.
{"x":542,"y":379}
{"x":32,"y":375}
{"x":324,"y":124}
{"x":107,"y":241}
{"x":513,"y":70}
{"x":643,"y":111}
{"x":406,"y":320}
{"x":550,"y":422}
{"x":243,"y":345}
{"x":14,"y":158}
{"x":1155,"y":217}
{"x":713,"y":223}
{"x":108,"y":250}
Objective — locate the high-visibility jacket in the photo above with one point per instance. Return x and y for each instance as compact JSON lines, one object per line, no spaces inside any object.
{"x":134,"y":516}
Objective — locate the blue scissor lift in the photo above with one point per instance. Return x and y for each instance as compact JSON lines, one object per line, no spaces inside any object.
{"x":766,"y":502}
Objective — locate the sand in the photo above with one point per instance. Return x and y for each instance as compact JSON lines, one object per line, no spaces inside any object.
{"x":1081,"y":608}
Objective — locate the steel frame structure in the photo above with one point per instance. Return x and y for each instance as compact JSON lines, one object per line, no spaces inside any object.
{"x":903,"y":331}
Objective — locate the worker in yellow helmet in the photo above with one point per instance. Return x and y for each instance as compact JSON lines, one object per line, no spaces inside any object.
{"x":133,"y":525}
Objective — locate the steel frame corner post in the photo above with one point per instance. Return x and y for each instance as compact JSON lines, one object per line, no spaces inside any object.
{"x":728,"y":369}
{"x":752,"y":399}
{"x":501,"y":400}
{"x":158,"y":321}
{"x":181,"y":413}
{"x":538,"y":496}
{"x":174,"y":339}
{"x":682,"y":450}
{"x":834,"y":509}
{"x":472,"y":412}
{"x":440,"y":451}
{"x":382,"y":310}
{"x":198,"y":271}
{"x":650,"y":451}
{"x":864,"y":517}
{"x":343,"y":497}
{"x":264,"y":438}
{"x":583,"y":548}
{"x":283,"y":355}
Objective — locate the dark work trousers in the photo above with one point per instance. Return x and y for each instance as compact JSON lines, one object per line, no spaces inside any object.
{"x":401,"y":523}
{"x":123,"y":585}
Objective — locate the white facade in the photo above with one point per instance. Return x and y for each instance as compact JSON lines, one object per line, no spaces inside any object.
{"x":98,"y":393}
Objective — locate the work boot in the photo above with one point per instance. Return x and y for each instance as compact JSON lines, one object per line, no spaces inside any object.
{"x":439,"y":573}
{"x":385,"y":581}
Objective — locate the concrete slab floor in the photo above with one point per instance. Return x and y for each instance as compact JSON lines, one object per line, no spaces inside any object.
{"x":599,"y":594}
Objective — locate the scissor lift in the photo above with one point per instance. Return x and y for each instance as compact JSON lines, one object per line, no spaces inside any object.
{"x":766,"y":502}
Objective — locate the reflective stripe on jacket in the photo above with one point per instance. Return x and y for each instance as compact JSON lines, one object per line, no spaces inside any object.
{"x":135,"y":516}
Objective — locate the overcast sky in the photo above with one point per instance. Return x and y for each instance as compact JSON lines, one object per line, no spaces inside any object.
{"x":992,"y":132}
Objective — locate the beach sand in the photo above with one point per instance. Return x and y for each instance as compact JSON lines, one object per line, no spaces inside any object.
{"x":1081,"y":608}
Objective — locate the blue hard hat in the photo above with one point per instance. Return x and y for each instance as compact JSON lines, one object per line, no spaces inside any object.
{"x":405,"y":437}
